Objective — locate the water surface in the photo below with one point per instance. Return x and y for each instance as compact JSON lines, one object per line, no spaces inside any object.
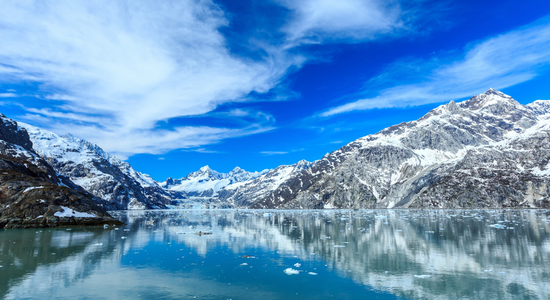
{"x":339,"y":254}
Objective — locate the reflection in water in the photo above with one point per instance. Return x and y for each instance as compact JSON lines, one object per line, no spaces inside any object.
{"x":424,"y":254}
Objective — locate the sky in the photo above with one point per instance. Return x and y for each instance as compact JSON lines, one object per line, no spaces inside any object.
{"x":171,"y":86}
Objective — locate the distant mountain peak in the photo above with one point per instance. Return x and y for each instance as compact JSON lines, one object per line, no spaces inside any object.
{"x":205,"y":169}
{"x":490,"y":98}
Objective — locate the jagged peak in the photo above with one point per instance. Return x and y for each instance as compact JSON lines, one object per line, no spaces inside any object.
{"x":496,"y":92}
{"x":452,"y":106}
{"x":205,"y":168}
{"x":491,"y":97}
{"x":303,"y":162}
{"x":236,"y":169}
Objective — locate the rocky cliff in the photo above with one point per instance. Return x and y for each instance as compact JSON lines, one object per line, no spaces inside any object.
{"x":31,"y":193}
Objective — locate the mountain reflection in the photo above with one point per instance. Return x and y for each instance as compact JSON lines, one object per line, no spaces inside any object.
{"x":414,"y":254}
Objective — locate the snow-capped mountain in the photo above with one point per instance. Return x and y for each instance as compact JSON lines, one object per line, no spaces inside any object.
{"x":488,"y":151}
{"x":243,"y":194}
{"x":205,"y":184}
{"x":98,"y":172}
{"x":32,"y":193}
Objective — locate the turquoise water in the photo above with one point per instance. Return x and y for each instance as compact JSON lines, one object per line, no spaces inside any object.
{"x":337,"y":254}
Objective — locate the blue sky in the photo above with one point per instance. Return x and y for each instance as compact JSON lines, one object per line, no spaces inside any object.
{"x":175,"y":85}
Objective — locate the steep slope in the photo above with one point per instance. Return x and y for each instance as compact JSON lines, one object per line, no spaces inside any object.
{"x":98,"y":172}
{"x":31,"y":193}
{"x":243,"y":194}
{"x":440,"y":160}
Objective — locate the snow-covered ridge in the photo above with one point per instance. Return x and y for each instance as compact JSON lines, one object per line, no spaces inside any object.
{"x":96,"y":171}
{"x":206,"y":179}
{"x":403,"y":163}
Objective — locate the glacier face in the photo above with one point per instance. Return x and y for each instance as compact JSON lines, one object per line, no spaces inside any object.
{"x":203,"y":186}
{"x":103,"y":175}
{"x":488,"y":151}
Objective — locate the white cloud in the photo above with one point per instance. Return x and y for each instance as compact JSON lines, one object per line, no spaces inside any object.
{"x":317,"y":20}
{"x":497,"y":62}
{"x":201,"y":150}
{"x":118,"y":69}
{"x":7,"y":95}
{"x":128,"y":65}
{"x":273,"y":152}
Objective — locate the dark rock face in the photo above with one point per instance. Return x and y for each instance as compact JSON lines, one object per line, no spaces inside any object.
{"x":28,"y":199}
{"x":13,"y":134}
{"x":31,"y":193}
{"x":486,"y":152}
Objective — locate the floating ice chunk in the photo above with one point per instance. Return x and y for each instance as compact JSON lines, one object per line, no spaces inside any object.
{"x":105,"y":225}
{"x":498,"y":226}
{"x":312,"y":273}
{"x":339,"y":246}
{"x":123,"y":237}
{"x":291,"y":271}
{"x":423,"y":276}
{"x":244,"y":264}
{"x":297,"y":265}
{"x":381,"y":217}
{"x":98,"y":244}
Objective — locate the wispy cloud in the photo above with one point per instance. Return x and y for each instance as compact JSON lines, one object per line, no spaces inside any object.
{"x":201,"y":150}
{"x":118,"y":68}
{"x":497,"y":62}
{"x":314,"y":21}
{"x":273,"y":152}
{"x":7,"y":95}
{"x":129,"y":65}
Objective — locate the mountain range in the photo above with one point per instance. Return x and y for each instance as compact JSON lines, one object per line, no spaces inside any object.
{"x":486,"y":152}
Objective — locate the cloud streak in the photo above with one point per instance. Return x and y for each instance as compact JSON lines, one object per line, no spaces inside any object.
{"x":315,"y":21}
{"x":112,"y":71}
{"x":497,"y":62}
{"x":131,"y":64}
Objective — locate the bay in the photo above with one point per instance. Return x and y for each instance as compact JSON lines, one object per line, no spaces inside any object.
{"x":259,"y":254}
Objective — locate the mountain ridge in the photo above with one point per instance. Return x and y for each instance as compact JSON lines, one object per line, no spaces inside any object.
{"x":390,"y":164}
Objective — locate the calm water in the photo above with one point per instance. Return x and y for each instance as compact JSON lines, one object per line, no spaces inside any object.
{"x":370,"y":254}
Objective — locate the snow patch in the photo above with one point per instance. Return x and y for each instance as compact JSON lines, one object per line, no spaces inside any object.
{"x":67,"y":212}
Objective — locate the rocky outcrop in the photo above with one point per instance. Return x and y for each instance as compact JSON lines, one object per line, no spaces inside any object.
{"x":32,"y":195}
{"x":487,"y":152}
